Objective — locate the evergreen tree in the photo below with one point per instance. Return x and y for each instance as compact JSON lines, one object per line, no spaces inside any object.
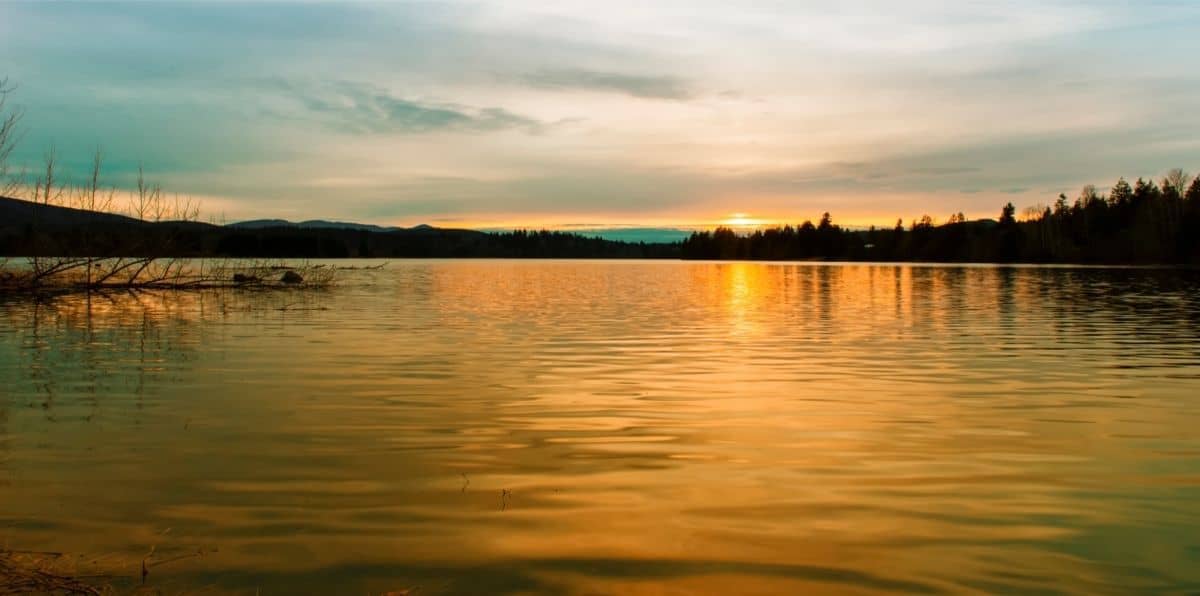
{"x":1122,"y":194}
{"x":826,"y":222}
{"x":1007,"y":215}
{"x":1060,"y":206}
{"x":1144,"y":192}
{"x":1170,"y":192}
{"x":1136,"y":223}
{"x":1192,"y":196}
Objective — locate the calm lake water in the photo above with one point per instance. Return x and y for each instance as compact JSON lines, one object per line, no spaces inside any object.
{"x":501,"y":427}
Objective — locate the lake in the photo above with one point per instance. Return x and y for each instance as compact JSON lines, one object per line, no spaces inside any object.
{"x":520,"y":427}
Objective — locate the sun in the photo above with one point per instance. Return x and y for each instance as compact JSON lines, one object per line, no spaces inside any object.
{"x":741,"y":220}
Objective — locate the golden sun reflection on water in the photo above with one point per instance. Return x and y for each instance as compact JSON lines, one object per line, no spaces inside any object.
{"x":579,"y":427}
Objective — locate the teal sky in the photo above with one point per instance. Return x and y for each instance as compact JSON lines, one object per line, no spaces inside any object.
{"x":591,"y":114}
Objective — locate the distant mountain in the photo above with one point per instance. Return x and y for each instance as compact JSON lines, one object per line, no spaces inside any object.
{"x":17,"y":213}
{"x":258,"y":224}
{"x":31,"y":229}
{"x":312,"y":224}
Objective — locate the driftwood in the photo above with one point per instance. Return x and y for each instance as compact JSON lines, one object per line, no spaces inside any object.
{"x":74,"y":274}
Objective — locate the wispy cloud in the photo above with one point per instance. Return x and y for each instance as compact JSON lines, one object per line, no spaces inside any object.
{"x":457,"y":108}
{"x":648,"y":87}
{"x":364,"y":108}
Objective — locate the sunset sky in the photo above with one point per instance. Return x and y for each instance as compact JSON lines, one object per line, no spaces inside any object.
{"x":573,"y":113}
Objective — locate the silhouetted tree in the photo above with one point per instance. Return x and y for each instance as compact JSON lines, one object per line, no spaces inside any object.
{"x":1145,"y":192}
{"x":1189,"y":236}
{"x":9,"y":118}
{"x":1139,"y":223}
{"x":1121,"y":194}
{"x":1193,"y":192}
{"x":1177,"y":178}
{"x":1061,"y":209}
{"x":1007,"y":215}
{"x":826,"y":222}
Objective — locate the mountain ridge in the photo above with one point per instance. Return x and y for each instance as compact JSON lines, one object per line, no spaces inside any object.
{"x":32,"y":229}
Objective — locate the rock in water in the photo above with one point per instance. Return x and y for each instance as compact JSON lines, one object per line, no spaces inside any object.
{"x":291,"y":277}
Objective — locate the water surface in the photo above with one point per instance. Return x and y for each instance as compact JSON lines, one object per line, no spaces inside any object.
{"x":499,"y":427}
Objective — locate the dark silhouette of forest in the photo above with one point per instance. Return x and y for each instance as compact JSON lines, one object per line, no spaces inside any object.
{"x":1142,"y":223}
{"x":37,"y":229}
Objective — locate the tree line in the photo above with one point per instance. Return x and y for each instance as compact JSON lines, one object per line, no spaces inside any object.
{"x":286,"y":242}
{"x":1140,"y":223}
{"x":56,"y":235}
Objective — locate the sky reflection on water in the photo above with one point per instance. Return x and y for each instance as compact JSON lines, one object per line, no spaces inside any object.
{"x":682,"y":427}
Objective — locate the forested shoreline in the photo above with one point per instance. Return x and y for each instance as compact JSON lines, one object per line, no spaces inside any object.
{"x":1140,"y":223}
{"x":1145,"y":222}
{"x":39,"y":229}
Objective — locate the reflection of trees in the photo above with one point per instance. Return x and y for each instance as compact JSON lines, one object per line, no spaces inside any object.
{"x":80,"y":349}
{"x":5,"y":482}
{"x":79,"y":359}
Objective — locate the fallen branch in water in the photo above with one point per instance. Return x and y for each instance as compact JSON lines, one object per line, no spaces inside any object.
{"x":85,"y":254}
{"x":76,"y":275}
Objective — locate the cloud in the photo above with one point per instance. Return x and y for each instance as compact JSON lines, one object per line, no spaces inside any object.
{"x":459,"y":108}
{"x":364,"y":108}
{"x":647,"y":87}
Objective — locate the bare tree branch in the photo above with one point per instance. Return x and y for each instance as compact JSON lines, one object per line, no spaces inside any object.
{"x":9,"y":135}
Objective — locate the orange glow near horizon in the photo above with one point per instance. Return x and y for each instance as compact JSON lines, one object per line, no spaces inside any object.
{"x":738,"y":221}
{"x":742,"y":220}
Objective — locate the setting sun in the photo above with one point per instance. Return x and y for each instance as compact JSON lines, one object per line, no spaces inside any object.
{"x":741,"y":220}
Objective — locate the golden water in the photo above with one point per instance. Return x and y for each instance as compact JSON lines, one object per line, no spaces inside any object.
{"x":501,"y":427}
